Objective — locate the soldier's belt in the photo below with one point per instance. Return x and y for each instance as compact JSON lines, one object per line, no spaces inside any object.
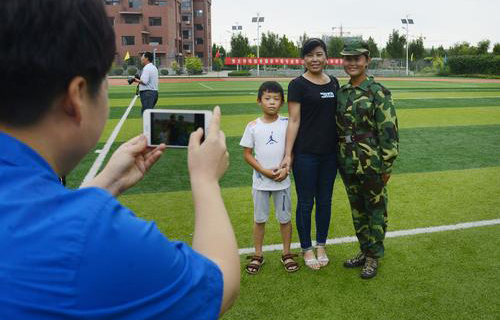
{"x":356,"y":138}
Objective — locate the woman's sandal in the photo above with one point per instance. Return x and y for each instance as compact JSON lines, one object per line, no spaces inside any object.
{"x":252,"y":267}
{"x":323,"y":259}
{"x":312,"y":262}
{"x":291,"y":265}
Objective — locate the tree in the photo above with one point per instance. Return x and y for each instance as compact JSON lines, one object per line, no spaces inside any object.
{"x":395,"y":47}
{"x":440,"y":52}
{"x":462,"y":49}
{"x":416,"y":49}
{"x":287,"y":48}
{"x":383,"y":54}
{"x":193,"y":65}
{"x":483,"y":46}
{"x":496,"y":49}
{"x":221,"y":49}
{"x":269,"y":45}
{"x":372,"y":46}
{"x":302,"y":39}
{"x":239,"y":46}
{"x":335,"y":46}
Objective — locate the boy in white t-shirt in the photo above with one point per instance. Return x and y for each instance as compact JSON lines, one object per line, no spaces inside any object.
{"x":265,"y":137}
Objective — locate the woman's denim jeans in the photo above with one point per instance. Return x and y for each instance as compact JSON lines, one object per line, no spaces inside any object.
{"x":314,"y":178}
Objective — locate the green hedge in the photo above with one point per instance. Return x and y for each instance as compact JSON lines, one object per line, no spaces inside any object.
{"x":242,"y":73}
{"x":475,"y":64}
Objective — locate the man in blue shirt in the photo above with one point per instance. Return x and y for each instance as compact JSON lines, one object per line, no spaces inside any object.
{"x":79,"y":254}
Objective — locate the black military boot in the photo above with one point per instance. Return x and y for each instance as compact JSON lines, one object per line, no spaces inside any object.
{"x":370,"y":268}
{"x":356,"y":261}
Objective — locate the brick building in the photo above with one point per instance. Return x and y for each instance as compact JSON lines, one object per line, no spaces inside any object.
{"x":145,"y":25}
{"x":197,"y":30}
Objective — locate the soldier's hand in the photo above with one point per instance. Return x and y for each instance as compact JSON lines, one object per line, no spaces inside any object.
{"x":385,"y":178}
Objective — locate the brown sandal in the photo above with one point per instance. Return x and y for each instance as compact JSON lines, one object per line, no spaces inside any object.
{"x":252,"y":267}
{"x":290,"y":266}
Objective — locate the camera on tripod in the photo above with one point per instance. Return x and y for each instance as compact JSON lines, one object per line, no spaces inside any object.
{"x":131,"y":79}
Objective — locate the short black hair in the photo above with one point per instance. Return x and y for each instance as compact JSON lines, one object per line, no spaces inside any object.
{"x":148,"y":55}
{"x":312,"y":44}
{"x":44,"y":45}
{"x":271,"y":86}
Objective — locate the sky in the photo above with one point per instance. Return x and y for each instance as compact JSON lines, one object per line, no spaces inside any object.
{"x":439,"y":22}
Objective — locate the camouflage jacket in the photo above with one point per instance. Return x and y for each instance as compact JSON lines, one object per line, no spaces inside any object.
{"x":360,"y":110}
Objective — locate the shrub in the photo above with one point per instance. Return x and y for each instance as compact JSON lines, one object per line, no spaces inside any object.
{"x":177,"y":69}
{"x":242,"y":73}
{"x":475,"y":64}
{"x":193,"y":65}
{"x":164,"y":72}
{"x":132,"y":71}
{"x":217,"y":64}
{"x":118,"y":71}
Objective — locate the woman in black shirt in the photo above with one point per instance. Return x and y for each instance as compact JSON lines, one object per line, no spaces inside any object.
{"x":312,"y":139}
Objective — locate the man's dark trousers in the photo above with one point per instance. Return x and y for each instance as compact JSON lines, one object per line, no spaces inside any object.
{"x":149,"y":98}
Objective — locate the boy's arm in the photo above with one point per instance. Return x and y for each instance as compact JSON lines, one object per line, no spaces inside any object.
{"x":250,"y":159}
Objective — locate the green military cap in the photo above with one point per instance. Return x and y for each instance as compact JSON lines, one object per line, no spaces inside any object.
{"x":355,"y":48}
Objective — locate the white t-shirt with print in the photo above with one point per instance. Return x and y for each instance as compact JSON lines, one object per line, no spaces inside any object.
{"x":268,"y":143}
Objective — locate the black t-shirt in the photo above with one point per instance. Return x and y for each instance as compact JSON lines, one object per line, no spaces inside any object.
{"x":317,"y":132}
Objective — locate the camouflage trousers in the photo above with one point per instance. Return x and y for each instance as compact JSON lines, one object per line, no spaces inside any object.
{"x":368,"y":198}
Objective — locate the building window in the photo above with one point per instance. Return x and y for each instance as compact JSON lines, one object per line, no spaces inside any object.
{"x":155,"y":21}
{"x":128,"y":40}
{"x":111,"y":2}
{"x":157,"y":3}
{"x":185,"y":18}
{"x":186,"y":5}
{"x":199,"y":54}
{"x":199,"y":40}
{"x":186,"y":34}
{"x":132,"y":19}
{"x":158,"y":40}
{"x":199,"y":27}
{"x":186,"y":47}
{"x":111,"y":20}
{"x":198,"y":13}
{"x":135,"y":4}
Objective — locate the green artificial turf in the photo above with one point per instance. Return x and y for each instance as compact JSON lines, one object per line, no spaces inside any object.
{"x":447,"y":173}
{"x":440,"y":276}
{"x":415,"y":200}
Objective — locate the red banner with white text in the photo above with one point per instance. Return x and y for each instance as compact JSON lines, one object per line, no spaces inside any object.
{"x":273,"y":61}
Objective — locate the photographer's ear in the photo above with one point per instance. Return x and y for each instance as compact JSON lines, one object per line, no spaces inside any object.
{"x":74,"y":99}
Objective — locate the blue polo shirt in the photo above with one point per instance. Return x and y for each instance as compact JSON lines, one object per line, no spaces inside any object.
{"x":79,"y":254}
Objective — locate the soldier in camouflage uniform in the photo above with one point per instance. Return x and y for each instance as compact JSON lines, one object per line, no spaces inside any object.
{"x":368,"y":144}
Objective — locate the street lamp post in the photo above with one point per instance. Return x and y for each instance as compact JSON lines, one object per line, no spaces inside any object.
{"x":407,"y":23}
{"x":237,"y":27}
{"x":258,"y":19}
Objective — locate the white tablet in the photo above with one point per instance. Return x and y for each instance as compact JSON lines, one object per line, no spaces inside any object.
{"x":173,"y":127}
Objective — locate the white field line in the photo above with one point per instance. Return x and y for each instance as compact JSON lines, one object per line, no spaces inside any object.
{"x":104,"y":151}
{"x":437,"y":98}
{"x":204,"y":85}
{"x":391,"y":234}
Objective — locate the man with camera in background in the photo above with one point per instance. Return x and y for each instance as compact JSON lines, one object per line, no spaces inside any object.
{"x":148,"y":82}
